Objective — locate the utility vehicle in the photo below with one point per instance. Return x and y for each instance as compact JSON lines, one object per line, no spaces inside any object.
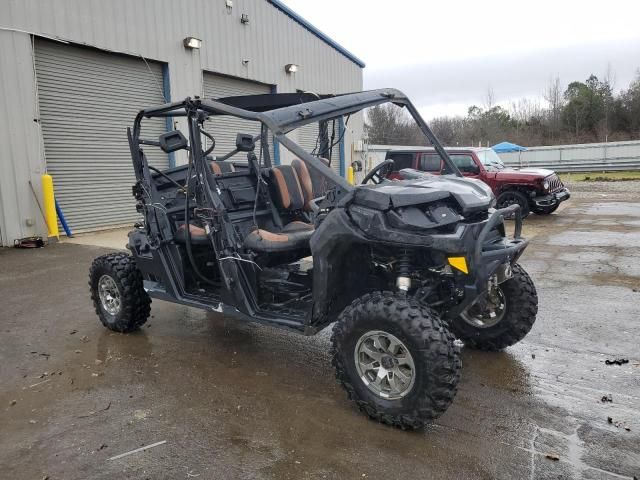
{"x":536,"y":190}
{"x":404,"y":268}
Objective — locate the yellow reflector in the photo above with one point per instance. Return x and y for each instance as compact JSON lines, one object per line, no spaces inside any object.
{"x":459,"y":263}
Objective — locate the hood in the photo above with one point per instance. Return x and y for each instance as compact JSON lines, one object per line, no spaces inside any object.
{"x":420,"y":188}
{"x":523,"y":173}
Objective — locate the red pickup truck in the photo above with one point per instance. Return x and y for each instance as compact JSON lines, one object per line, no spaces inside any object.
{"x":534,"y":189}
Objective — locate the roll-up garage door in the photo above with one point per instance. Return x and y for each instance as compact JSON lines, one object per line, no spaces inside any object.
{"x":87,"y":100}
{"x":225,"y":128}
{"x":307,"y":138}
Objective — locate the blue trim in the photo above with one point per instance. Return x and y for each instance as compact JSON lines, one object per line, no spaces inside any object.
{"x":276,"y":152}
{"x":168,"y":121}
{"x":290,"y":13}
{"x":341,"y":145}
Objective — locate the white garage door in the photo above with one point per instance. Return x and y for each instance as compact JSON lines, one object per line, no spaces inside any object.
{"x":224,"y":128}
{"x":307,"y":137}
{"x":87,"y":100}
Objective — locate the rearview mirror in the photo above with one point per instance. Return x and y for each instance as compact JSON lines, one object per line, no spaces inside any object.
{"x":172,"y":141}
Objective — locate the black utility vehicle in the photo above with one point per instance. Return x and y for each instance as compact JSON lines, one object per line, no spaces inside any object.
{"x":404,"y":267}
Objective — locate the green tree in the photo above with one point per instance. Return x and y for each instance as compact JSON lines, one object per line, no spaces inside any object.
{"x":586,"y":106}
{"x":628,"y":108}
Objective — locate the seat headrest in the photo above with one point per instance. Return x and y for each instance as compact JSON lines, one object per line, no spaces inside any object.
{"x":305,"y":181}
{"x":287,"y":187}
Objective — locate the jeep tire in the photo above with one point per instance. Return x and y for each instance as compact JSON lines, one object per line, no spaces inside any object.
{"x":516,"y":318}
{"x":418,"y":364}
{"x":510,"y":197}
{"x":118,"y":296}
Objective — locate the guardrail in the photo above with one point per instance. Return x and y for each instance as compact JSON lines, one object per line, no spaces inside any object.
{"x":588,"y":157}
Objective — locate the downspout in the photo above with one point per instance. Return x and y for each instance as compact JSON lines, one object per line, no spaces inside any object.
{"x":341,"y":145}
{"x":166,"y":90}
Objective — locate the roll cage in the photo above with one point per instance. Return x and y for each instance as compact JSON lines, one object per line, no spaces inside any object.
{"x":282,"y":113}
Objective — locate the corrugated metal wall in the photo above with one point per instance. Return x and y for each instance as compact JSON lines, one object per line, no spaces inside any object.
{"x":154,"y":29}
{"x":20,"y":140}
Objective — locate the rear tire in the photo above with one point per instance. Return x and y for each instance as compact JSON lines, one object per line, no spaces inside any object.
{"x":117,"y":292}
{"x":510,"y":197}
{"x":411,"y":334}
{"x":521,"y":308}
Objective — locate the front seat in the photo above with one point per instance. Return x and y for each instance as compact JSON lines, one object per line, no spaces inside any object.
{"x":290,"y":199}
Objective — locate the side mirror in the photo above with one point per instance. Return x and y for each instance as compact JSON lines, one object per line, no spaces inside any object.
{"x":172,"y":141}
{"x":245,"y":143}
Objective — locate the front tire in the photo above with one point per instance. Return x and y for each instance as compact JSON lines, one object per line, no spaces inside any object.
{"x":118,"y":296}
{"x":511,"y":197}
{"x":506,"y":325}
{"x":396,"y":359}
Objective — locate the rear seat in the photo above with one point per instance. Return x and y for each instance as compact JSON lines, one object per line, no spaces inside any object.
{"x":220,"y":167}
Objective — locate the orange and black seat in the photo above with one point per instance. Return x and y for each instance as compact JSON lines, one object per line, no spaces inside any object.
{"x":306,"y":184}
{"x":220,"y":167}
{"x":197,"y":234}
{"x":290,"y":198}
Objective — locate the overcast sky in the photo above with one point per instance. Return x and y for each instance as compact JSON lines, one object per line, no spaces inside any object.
{"x":446,"y":54}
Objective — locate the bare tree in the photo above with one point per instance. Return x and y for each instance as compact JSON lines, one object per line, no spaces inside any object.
{"x":608,"y":85}
{"x":489,"y":99}
{"x":554,"y":96}
{"x":390,"y":124}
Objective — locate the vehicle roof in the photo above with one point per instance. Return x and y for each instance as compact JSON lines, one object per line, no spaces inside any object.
{"x":270,"y":101}
{"x":296,"y":114}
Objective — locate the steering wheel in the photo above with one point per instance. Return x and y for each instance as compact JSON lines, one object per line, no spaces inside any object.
{"x":379,"y":172}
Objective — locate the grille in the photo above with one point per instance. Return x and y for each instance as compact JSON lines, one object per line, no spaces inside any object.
{"x":555,"y":183}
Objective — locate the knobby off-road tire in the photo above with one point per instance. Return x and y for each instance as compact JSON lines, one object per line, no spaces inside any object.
{"x":435,"y":358}
{"x":510,"y":197}
{"x":124,"y":305}
{"x":521,"y":302}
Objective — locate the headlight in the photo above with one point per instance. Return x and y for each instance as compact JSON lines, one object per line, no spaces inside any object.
{"x":545,"y":185}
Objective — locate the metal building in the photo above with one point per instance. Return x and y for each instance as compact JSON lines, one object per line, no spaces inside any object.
{"x":73,"y":74}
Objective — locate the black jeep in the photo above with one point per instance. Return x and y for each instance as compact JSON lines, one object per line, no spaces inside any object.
{"x":403,"y":267}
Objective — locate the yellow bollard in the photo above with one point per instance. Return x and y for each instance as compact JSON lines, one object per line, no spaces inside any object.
{"x":49,"y":204}
{"x":350,"y":177}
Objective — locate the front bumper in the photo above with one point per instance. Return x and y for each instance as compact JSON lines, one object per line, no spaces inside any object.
{"x":489,"y":258}
{"x":552,"y":198}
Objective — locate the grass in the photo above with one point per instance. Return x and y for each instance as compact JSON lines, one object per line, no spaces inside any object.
{"x":601,"y":176}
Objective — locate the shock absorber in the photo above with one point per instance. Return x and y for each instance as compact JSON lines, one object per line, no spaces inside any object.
{"x":403,"y":281}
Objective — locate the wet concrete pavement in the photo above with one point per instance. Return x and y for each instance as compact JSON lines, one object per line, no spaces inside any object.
{"x":237,"y":400}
